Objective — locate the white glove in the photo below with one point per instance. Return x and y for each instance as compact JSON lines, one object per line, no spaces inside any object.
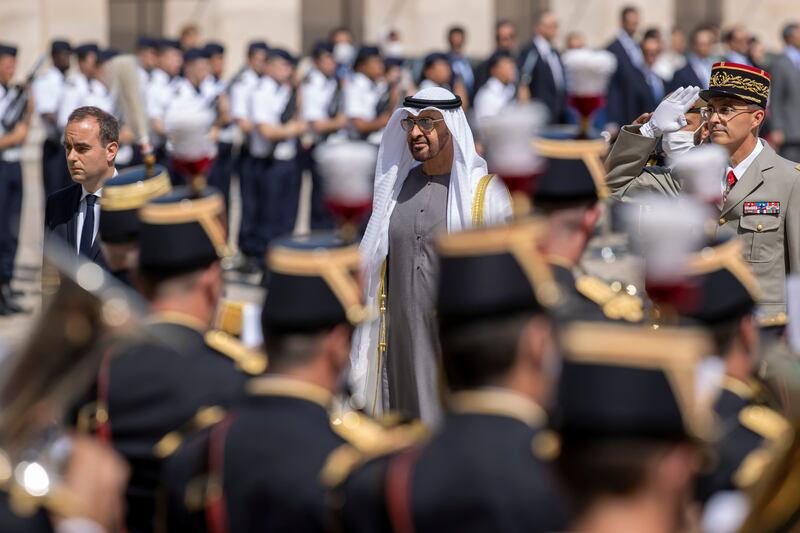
{"x":669,"y":115}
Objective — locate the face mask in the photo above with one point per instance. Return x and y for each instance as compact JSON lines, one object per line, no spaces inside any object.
{"x":344,"y":53}
{"x":678,"y":142}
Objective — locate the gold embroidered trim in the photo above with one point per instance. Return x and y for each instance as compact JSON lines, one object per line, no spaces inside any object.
{"x":500,"y":403}
{"x":135,"y":195}
{"x":205,"y":417}
{"x":292,"y":388}
{"x":478,"y":200}
{"x":724,"y":80}
{"x":205,"y":211}
{"x":728,"y":256}
{"x":382,"y":338}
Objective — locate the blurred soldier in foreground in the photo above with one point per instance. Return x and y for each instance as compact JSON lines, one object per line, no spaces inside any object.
{"x":154,"y":387}
{"x":119,"y":224}
{"x":428,"y":180}
{"x":12,"y":137}
{"x":498,"y":362}
{"x":259,"y":469}
{"x":48,"y":90}
{"x":630,"y":426}
{"x":51,"y":479}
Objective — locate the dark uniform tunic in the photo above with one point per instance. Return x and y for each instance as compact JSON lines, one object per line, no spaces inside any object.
{"x":155,"y":385}
{"x":480,"y":473}
{"x":275,"y":445}
{"x":12,"y":523}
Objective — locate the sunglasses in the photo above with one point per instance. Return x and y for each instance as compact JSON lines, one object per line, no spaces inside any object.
{"x":425,"y":124}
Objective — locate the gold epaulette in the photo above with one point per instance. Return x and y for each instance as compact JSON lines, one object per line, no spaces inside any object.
{"x":250,"y":361}
{"x":797,"y":167}
{"x":366,"y":439}
{"x":775,"y":430}
{"x":616,"y":305}
{"x":230,"y":317}
{"x":205,"y":417}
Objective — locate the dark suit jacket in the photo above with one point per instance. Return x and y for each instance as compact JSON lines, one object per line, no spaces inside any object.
{"x":684,"y":77}
{"x":61,"y":219}
{"x":628,"y":93}
{"x":542,"y":83}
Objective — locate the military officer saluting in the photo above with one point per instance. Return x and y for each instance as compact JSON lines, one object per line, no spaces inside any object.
{"x":485,"y":469}
{"x":259,"y":469}
{"x":156,"y":385}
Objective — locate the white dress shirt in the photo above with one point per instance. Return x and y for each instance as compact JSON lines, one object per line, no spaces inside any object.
{"x":82,"y":213}
{"x":492,"y":97}
{"x":361,"y":97}
{"x":48,"y":91}
{"x":241,"y":91}
{"x":740,"y":169}
{"x":268,"y":101}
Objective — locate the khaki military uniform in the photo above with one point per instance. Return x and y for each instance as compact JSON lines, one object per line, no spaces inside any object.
{"x":771,"y":241}
{"x":629,"y":176}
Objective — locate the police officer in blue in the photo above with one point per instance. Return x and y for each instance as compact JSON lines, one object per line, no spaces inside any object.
{"x":13,"y":131}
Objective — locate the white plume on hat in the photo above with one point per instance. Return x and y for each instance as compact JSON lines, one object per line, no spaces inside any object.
{"x":347,"y":170}
{"x":701,"y":170}
{"x":588,"y":71}
{"x":508,"y":137}
{"x":188,"y":132}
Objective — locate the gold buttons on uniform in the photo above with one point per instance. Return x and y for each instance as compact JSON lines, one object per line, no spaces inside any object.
{"x":722,"y":221}
{"x":759,"y":227}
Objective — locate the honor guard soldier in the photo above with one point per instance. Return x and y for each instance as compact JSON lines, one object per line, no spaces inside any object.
{"x":631,"y":428}
{"x":123,"y":196}
{"x":241,"y":112}
{"x":13,"y":132}
{"x":495,"y":332}
{"x":723,"y":300}
{"x":259,"y":469}
{"x":160,"y":91}
{"x":156,"y":386}
{"x":368,"y":100}
{"x":85,"y":86}
{"x":219,"y":176}
{"x":322,"y":108}
{"x":48,"y":91}
{"x":569,"y":195}
{"x":273,"y":147}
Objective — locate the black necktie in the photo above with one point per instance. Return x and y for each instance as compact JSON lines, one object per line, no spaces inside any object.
{"x":87,"y":233}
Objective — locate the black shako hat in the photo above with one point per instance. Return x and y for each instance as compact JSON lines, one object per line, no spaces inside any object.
{"x":312,"y":284}
{"x":621,"y":382}
{"x":182,"y":231}
{"x":123,"y":196}
{"x":573,"y":171}
{"x":747,"y":83}
{"x":493,"y":272}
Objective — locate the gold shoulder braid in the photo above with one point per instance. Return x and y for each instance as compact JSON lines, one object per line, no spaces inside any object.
{"x":478,"y":200}
{"x":616,"y":305}
{"x":366,"y":439}
{"x":250,"y":361}
{"x":205,"y":417}
{"x":775,"y":430}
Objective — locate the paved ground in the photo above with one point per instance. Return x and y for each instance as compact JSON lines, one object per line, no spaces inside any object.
{"x":14,"y":329}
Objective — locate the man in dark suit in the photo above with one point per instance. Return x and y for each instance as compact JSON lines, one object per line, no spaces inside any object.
{"x":91,"y":141}
{"x":629,"y":95}
{"x":540,"y":67}
{"x":697,"y":70}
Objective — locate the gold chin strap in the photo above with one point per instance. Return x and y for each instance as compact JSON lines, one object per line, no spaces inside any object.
{"x":335,"y":266}
{"x":521,"y":240}
{"x":590,"y":151}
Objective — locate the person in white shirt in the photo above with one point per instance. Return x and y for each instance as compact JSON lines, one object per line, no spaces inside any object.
{"x":79,"y":83}
{"x":163,"y":79}
{"x":273,"y":147}
{"x":321,"y":96}
{"x":48,"y":91}
{"x":369,"y":101}
{"x":147,"y":57}
{"x":91,"y":142}
{"x":244,"y":166}
{"x":12,"y":137}
{"x":500,"y":89}
{"x":438,"y":72}
{"x":220,"y":174}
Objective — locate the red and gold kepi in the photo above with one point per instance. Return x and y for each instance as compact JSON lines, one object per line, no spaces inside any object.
{"x":747,"y":83}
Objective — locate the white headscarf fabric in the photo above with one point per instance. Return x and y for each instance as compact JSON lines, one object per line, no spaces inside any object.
{"x":394,"y":163}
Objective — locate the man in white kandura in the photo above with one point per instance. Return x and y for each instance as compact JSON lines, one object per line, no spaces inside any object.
{"x":428,"y":179}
